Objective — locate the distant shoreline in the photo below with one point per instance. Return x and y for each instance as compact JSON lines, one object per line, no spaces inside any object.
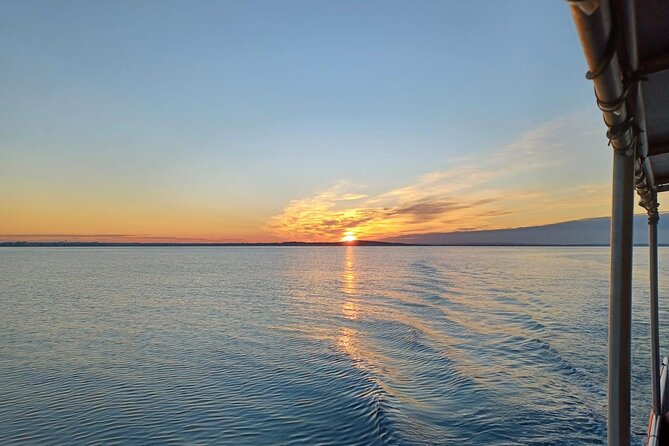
{"x":25,"y":244}
{"x":590,"y":232}
{"x":164,"y":244}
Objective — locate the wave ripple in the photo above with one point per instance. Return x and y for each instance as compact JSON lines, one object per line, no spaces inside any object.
{"x":341,"y":345}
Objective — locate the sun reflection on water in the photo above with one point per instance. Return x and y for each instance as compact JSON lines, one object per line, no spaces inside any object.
{"x":349,"y":278}
{"x":350,"y":308}
{"x":347,"y":340}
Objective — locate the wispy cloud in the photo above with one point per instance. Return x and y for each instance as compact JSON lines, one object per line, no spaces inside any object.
{"x":524,"y":182}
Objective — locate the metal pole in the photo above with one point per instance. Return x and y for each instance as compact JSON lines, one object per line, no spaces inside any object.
{"x":653,"y":218}
{"x":620,"y":300}
{"x":593,"y":20}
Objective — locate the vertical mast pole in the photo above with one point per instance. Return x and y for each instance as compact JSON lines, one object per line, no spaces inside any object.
{"x":597,"y":31}
{"x":653,"y":219}
{"x":620,"y":300}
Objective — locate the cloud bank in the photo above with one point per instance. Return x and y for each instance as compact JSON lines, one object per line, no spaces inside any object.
{"x":532,"y":180}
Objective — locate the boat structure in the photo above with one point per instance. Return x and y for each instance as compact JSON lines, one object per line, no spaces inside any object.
{"x":626,"y":47}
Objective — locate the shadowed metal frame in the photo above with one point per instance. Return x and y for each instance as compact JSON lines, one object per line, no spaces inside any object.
{"x":626,"y":46}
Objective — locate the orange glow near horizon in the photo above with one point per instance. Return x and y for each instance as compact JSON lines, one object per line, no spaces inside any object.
{"x":472,"y":193}
{"x":349,"y":237}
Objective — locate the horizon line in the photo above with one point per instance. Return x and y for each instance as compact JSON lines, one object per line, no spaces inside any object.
{"x":363,"y":243}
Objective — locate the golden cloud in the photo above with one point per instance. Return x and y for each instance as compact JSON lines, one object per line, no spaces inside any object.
{"x":484,"y":192}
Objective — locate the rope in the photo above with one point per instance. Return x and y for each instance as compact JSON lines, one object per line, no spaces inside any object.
{"x":608,"y":54}
{"x":613,"y":106}
{"x":617,"y":131}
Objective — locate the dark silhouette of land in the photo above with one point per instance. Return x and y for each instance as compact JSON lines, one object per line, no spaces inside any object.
{"x":107,"y":244}
{"x":587,"y":232}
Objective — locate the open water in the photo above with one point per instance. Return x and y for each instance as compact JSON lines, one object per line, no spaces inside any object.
{"x":312,"y":345}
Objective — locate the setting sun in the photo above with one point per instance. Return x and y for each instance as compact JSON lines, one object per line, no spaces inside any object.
{"x":296,"y":208}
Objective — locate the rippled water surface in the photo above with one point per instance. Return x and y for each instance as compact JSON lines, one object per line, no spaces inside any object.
{"x":320,"y":345}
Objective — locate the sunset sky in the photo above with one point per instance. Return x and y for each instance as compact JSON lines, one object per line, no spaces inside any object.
{"x":293,"y":120}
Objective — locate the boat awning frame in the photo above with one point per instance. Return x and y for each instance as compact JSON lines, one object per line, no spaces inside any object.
{"x":626,"y":46}
{"x":629,"y":65}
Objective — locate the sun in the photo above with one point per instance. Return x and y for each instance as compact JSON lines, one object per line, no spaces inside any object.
{"x":349,"y":237}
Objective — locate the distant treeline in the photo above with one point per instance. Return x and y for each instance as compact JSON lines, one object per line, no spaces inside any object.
{"x":358,"y":243}
{"x":110,"y":244}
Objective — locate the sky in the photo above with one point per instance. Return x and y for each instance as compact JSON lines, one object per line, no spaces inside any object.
{"x":266,"y":121}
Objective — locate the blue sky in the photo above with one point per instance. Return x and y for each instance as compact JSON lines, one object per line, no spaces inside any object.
{"x":217,"y":115}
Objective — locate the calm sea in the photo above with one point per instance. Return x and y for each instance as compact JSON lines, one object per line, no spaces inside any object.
{"x":320,"y":345}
